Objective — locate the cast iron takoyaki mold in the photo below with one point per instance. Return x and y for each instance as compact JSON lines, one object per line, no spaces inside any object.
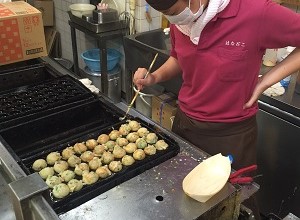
{"x":90,"y":191}
{"x":22,"y":76}
{"x":32,"y":99}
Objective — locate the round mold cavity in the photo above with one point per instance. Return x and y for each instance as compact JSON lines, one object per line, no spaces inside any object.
{"x":7,"y":105}
{"x":39,"y":106}
{"x":50,"y":96}
{"x":23,"y":94}
{"x":4,"y":115}
{"x":15,"y":112}
{"x":64,"y":81}
{"x":33,"y":102}
{"x":24,"y":108}
{"x":11,"y":96}
{"x":73,"y":90}
{"x":29,"y":100}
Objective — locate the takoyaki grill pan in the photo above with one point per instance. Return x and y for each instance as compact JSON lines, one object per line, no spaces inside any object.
{"x":82,"y":125}
{"x":32,"y":101}
{"x":21,"y":65}
{"x":25,"y":75}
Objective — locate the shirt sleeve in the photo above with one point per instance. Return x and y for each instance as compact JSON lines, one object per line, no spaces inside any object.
{"x":173,"y":52}
{"x":280,"y":27}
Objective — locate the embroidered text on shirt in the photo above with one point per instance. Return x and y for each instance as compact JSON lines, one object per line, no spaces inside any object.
{"x":236,"y":44}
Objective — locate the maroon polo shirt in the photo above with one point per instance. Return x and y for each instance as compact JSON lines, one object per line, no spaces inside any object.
{"x":220,"y":73}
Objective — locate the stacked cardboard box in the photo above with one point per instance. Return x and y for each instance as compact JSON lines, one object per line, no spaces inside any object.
{"x":21,"y":32}
{"x":50,"y":35}
{"x":164,"y":109}
{"x":47,"y":9}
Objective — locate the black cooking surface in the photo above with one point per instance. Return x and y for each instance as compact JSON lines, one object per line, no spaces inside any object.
{"x":26,"y":152}
{"x":24,"y":101}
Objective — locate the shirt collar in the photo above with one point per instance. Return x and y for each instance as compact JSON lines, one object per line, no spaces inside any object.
{"x":230,"y":11}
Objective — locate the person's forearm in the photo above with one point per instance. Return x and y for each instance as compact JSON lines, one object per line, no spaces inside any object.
{"x":167,"y":71}
{"x":286,"y":67}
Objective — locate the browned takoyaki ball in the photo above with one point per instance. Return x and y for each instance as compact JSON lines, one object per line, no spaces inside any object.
{"x":91,"y":144}
{"x":103,"y":172}
{"x":115,"y":166}
{"x":79,"y":148}
{"x":161,"y":145}
{"x":139,"y":154}
{"x":103,"y":138}
{"x":127,"y":160}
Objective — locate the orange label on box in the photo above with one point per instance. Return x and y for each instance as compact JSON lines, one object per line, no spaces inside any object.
{"x":5,"y":12}
{"x":10,"y":44}
{"x":30,"y":23}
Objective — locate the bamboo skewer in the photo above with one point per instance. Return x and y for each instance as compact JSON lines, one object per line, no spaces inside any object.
{"x":138,"y":91}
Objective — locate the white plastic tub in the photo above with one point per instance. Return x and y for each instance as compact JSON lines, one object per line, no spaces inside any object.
{"x":82,"y":9}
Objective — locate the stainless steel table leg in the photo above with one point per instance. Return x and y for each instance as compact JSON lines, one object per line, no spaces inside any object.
{"x":103,"y":54}
{"x":22,"y":190}
{"x":75,"y":53}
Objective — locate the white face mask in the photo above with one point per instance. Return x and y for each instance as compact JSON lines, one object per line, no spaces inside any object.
{"x":186,"y":16}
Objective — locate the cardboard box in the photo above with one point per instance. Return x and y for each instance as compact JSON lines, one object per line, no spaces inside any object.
{"x":50,"y":36}
{"x":21,"y":32}
{"x":47,"y":8}
{"x":164,"y":107}
{"x":290,"y":2}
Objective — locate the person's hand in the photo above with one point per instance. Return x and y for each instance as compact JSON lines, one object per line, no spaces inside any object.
{"x":258,"y":90}
{"x":101,"y":6}
{"x":139,"y":81}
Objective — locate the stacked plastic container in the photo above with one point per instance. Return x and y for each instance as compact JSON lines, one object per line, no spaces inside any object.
{"x":286,"y":81}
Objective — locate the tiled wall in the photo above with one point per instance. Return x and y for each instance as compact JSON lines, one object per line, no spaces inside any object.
{"x":84,"y":42}
{"x":141,"y":23}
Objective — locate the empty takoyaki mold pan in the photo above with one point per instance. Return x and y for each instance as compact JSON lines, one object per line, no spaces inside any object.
{"x":36,"y":100}
{"x":24,"y":76}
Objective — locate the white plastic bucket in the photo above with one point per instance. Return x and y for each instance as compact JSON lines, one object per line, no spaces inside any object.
{"x":144,"y":100}
{"x":270,"y":57}
{"x":172,"y":120}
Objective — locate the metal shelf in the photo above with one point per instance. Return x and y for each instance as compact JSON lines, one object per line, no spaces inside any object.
{"x":102,"y":37}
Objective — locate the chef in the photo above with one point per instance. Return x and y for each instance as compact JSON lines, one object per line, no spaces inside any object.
{"x":217,"y":46}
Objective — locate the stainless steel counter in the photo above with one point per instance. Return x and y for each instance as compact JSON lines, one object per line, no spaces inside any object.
{"x":155,"y":194}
